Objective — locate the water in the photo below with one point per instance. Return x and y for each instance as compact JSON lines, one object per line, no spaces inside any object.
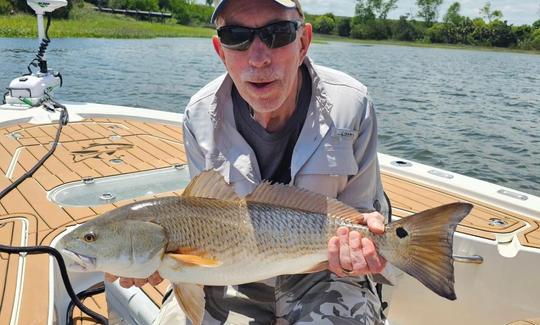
{"x":474,"y":113}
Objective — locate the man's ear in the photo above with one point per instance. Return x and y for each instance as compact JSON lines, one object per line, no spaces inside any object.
{"x":305,"y":40}
{"x":218,"y":48}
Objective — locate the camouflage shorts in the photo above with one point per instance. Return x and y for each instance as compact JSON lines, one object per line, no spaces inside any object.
{"x":318,"y":298}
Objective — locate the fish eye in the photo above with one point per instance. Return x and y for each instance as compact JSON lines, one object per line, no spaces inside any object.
{"x":90,"y":237}
{"x":401,"y":232}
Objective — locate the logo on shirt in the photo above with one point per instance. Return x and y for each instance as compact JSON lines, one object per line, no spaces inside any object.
{"x":345,"y":133}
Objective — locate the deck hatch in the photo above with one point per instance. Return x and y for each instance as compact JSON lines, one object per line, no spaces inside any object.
{"x":106,"y":190}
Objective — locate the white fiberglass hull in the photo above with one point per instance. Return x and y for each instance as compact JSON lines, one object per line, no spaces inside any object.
{"x":503,"y":288}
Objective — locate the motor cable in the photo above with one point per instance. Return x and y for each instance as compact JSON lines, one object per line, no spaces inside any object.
{"x":50,"y":104}
{"x":40,"y":56}
{"x":95,"y":290}
{"x":32,"y":250}
{"x":61,"y":122}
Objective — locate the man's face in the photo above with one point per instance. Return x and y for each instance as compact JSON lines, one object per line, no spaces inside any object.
{"x":266,"y":78}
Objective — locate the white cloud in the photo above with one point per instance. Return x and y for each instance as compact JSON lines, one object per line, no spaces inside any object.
{"x":338,"y":7}
{"x":516,"y":12}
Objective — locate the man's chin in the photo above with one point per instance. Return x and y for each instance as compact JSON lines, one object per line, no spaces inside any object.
{"x":265,"y":104}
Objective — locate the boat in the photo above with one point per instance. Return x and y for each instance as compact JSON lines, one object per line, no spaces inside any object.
{"x":108,"y":156}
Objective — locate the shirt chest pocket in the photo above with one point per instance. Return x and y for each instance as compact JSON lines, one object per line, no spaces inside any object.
{"x":327,"y":171}
{"x":334,"y":156}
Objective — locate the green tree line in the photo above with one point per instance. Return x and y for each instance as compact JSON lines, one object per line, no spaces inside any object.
{"x":369,"y":22}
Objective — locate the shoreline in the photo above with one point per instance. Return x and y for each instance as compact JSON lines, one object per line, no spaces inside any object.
{"x":332,"y":38}
{"x":108,"y":26}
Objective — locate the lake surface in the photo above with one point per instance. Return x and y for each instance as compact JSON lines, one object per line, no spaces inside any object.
{"x":471,"y":112}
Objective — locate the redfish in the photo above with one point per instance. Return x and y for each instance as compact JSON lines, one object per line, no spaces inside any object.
{"x":210,"y":236}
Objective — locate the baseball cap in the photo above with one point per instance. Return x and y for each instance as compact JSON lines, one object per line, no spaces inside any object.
{"x":285,"y":3}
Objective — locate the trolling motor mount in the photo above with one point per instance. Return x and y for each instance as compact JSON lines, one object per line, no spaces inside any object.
{"x":32,"y":89}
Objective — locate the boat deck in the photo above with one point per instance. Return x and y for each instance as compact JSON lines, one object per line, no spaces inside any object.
{"x":101,"y":147}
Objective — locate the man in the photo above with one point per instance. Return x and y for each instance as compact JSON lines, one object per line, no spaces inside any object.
{"x":277,"y":116}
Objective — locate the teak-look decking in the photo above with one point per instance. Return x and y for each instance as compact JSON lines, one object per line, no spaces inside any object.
{"x":88,"y":149}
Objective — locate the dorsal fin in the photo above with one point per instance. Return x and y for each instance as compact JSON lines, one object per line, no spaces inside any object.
{"x":298,"y":198}
{"x":210,"y":184}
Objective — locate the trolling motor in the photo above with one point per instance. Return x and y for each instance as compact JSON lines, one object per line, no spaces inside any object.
{"x":35,"y":88}
{"x":31,"y":90}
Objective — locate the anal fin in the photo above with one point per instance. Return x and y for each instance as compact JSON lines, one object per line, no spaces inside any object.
{"x":190,"y":297}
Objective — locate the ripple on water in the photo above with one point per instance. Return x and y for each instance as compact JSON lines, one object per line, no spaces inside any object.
{"x":512,"y":149}
{"x":414,"y":100}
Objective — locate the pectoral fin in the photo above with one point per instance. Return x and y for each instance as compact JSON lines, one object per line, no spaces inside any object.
{"x":191,"y":300}
{"x":193,"y":260}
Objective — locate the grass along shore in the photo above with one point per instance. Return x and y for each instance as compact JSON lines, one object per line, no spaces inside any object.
{"x":319,"y":38}
{"x":87,"y":23}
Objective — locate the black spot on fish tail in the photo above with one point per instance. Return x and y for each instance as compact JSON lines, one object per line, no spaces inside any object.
{"x":426,"y":241}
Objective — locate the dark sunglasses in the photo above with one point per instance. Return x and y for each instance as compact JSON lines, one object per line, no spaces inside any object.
{"x":274,"y":35}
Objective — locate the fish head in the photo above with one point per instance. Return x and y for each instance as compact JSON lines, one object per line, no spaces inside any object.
{"x":117,"y":243}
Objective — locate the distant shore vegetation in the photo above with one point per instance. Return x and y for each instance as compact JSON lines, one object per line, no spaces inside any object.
{"x":489,"y":29}
{"x":424,"y":26}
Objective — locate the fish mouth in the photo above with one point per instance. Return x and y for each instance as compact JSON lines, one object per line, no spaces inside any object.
{"x":79,"y":261}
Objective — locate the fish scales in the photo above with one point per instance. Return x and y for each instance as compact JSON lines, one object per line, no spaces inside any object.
{"x":210,"y":236}
{"x":282,"y":231}
{"x":220,"y":228}
{"x":244,"y":230}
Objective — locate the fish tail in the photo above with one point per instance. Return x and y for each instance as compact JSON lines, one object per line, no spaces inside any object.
{"x":424,"y":246}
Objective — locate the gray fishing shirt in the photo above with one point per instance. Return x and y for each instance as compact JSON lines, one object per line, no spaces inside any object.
{"x":273,"y":150}
{"x":335,"y":154}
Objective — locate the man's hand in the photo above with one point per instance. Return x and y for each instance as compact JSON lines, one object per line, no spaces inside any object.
{"x":154,"y":280}
{"x":351,"y":255}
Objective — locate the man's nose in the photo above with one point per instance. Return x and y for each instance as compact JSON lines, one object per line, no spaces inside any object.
{"x":259,"y":53}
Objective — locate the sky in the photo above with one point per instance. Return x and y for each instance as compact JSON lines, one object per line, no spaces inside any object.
{"x":516,"y":12}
